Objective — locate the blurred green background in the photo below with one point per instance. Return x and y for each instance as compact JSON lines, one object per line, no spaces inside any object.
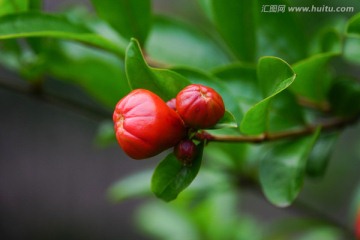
{"x":53,"y":175}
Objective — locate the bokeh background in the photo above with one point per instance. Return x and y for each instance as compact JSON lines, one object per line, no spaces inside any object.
{"x":54,"y":177}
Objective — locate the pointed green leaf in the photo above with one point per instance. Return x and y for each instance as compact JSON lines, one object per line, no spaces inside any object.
{"x":129,"y":18}
{"x":133,"y":186}
{"x":163,"y":82}
{"x":283,"y":168}
{"x":171,"y":177}
{"x":177,"y":43}
{"x":275,"y":75}
{"x":227,"y":121}
{"x":34,"y":24}
{"x":235,"y":21}
{"x":312,"y":78}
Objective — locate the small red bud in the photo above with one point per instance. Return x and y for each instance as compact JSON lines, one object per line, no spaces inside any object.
{"x":145,"y":126}
{"x":200,"y":106}
{"x":185,"y":151}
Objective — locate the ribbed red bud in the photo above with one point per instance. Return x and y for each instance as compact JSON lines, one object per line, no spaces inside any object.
{"x":200,"y":106}
{"x":145,"y":126}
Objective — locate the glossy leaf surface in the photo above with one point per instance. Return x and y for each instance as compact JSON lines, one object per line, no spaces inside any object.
{"x":283,"y":168}
{"x":171,"y":177}
{"x":275,"y":76}
{"x":165,"y":83}
{"x":32,"y":24}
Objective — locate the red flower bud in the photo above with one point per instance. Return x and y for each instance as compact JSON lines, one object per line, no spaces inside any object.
{"x":185,"y":151}
{"x":200,"y":106}
{"x":145,"y":126}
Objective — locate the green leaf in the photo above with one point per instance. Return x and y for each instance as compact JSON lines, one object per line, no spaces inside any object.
{"x":242,"y":82}
{"x":163,"y":82}
{"x":33,"y":24}
{"x":133,"y":186}
{"x":235,"y":20}
{"x":96,"y":71}
{"x":282,"y":170}
{"x":129,"y":18}
{"x":177,"y":43}
{"x":227,"y":121}
{"x":200,"y":77}
{"x":320,"y":155}
{"x":171,"y":177}
{"x":13,"y":6}
{"x":343,"y":95}
{"x":285,"y":113}
{"x":275,"y":75}
{"x":313,"y":80}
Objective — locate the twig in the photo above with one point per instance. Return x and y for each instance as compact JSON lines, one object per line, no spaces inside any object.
{"x":329,"y":125}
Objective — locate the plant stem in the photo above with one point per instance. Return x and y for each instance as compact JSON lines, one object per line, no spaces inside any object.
{"x":328,"y":125}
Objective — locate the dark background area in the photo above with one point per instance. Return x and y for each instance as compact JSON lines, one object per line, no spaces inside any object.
{"x":53,"y":177}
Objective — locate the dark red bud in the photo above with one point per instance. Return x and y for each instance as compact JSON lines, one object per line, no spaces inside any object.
{"x":185,"y":151}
